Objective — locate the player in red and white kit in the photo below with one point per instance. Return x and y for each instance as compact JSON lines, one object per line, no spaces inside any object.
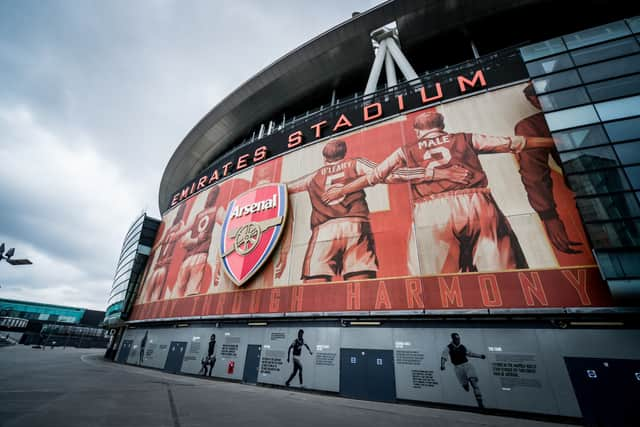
{"x":341,"y":242}
{"x":155,"y":288}
{"x":461,"y":227}
{"x":197,"y":243}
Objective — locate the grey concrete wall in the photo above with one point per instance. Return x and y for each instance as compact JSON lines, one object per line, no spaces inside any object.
{"x":523,"y":369}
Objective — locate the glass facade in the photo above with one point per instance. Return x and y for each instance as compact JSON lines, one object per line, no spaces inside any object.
{"x":133,"y":258}
{"x":588,"y":84}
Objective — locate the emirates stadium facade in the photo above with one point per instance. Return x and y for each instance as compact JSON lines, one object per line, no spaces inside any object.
{"x":432,"y":202}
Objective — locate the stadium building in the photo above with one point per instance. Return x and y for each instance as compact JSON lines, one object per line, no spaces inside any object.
{"x":433,"y":201}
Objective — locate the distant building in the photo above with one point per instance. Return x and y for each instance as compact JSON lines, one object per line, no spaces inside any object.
{"x":128,"y":276}
{"x":58,"y":325}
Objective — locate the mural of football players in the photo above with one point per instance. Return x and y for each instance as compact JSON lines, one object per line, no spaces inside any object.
{"x":341,"y":242}
{"x":155,"y":289}
{"x":536,"y":176}
{"x":196,"y":243}
{"x":461,"y":228}
{"x":296,"y":346}
{"x":458,"y":355}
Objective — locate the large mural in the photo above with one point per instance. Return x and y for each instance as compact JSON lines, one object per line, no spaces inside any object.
{"x":458,"y":206}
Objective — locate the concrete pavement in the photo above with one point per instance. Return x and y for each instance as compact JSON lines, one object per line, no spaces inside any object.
{"x":77,"y":387}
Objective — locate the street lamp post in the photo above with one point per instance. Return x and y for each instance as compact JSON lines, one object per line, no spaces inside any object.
{"x":9,"y":257}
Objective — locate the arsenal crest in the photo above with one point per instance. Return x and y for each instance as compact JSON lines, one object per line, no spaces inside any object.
{"x":252,"y":226}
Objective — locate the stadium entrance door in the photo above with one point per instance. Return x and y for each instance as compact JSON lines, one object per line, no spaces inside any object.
{"x":607,"y":390}
{"x":252,"y":364}
{"x":367,"y":374}
{"x":175,"y":356}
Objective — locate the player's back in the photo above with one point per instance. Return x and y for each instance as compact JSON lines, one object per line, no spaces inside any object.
{"x":337,"y":174}
{"x":444,"y":150}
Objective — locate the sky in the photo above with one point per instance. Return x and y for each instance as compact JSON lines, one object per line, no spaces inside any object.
{"x":94,"y":98}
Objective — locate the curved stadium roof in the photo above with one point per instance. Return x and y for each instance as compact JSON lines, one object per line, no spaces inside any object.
{"x":345,"y":49}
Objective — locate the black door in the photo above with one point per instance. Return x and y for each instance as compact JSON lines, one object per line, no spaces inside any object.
{"x":608,"y":390}
{"x":175,"y":356}
{"x":252,"y":364}
{"x":124,"y":351}
{"x":367,"y":374}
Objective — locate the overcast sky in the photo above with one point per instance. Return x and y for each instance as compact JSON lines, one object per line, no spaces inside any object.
{"x":94,"y":98}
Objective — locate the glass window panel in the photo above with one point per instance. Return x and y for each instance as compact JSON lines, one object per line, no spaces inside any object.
{"x":596,"y":35}
{"x":556,"y":81}
{"x":624,"y":129}
{"x":549,"y":65}
{"x":605,"y":51}
{"x":589,"y":159}
{"x":601,"y":182}
{"x":628,"y":153}
{"x":581,"y":137}
{"x":545,"y":48}
{"x":625,"y":86}
{"x":563,"y":99}
{"x":613,"y":206}
{"x":609,"y":69}
{"x":609,"y":267}
{"x":615,"y":234}
{"x":634,"y":23}
{"x":127,"y":257}
{"x":619,"y":108}
{"x":572,"y":117}
{"x":633,"y":172}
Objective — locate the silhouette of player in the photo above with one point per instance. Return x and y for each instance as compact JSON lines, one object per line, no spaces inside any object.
{"x":156,"y":287}
{"x":341,"y":242}
{"x":460,"y":225}
{"x":536,"y":176}
{"x":143,"y":344}
{"x":197,"y":243}
{"x":210,"y":361}
{"x":296,"y":345}
{"x":457,"y":354}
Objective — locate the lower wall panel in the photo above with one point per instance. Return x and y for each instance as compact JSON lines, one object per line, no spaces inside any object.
{"x":522,"y":369}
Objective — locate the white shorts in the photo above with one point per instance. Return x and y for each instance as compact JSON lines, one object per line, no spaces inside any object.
{"x":464,"y":372}
{"x":190,"y":275}
{"x":340,"y":247}
{"x":462,"y":231}
{"x":154,"y":288}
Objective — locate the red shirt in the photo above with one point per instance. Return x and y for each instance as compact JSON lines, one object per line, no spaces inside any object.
{"x":438,"y":149}
{"x":336,"y":174}
{"x":201,"y":230}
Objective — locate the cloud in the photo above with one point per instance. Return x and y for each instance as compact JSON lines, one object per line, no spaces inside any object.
{"x":95,"y":98}
{"x":64,"y":203}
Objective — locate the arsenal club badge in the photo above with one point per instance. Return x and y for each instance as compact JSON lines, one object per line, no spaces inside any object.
{"x":252,"y":226}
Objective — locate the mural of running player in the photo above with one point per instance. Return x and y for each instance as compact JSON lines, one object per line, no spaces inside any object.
{"x":341,"y":242}
{"x":143,"y":345}
{"x":197,"y":243}
{"x":296,"y":345}
{"x":536,"y":176}
{"x":461,"y":227}
{"x":155,"y":289}
{"x":458,"y":355}
{"x":210,"y":361}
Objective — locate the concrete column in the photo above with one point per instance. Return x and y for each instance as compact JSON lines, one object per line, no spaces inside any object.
{"x":390,"y":68}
